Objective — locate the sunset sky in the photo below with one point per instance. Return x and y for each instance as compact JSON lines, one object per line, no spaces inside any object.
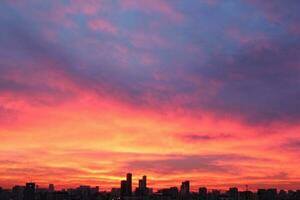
{"x":199,"y":90}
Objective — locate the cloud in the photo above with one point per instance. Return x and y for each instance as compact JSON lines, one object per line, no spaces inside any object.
{"x":292,"y":145}
{"x":194,"y":137}
{"x":102,"y":25}
{"x":258,"y":83}
{"x":278,"y":11}
{"x":190,"y":163}
{"x":276,"y":176}
{"x":7,"y":115}
{"x":165,"y":8}
{"x":36,"y":171}
{"x":255,"y":83}
{"x":28,"y":69}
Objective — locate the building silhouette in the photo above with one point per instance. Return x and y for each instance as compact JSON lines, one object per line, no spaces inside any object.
{"x":18,"y":192}
{"x":142,"y":189}
{"x":185,"y":190}
{"x":202,"y":193}
{"x":271,"y":194}
{"x":123,"y":188}
{"x":126,"y":186}
{"x":170,"y":193}
{"x":143,"y":182}
{"x":129,"y":184}
{"x":233,"y":193}
{"x":142,"y":192}
{"x":29,"y":191}
{"x":214,"y":195}
{"x":51,"y":188}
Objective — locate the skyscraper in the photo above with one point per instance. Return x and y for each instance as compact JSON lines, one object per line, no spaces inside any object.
{"x":185,"y":190}
{"x":144,"y":182}
{"x":29,"y":192}
{"x":203,"y":193}
{"x":233,"y":193}
{"x":51,"y":188}
{"x":126,"y":186}
{"x":123,"y":188}
{"x":142,"y":190}
{"x":129,"y":184}
{"x":140,"y":184}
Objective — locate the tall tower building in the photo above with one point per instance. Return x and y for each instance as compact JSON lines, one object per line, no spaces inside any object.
{"x":140,"y":184}
{"x":129,"y":184}
{"x":51,"y":188}
{"x":142,"y":190}
{"x":29,"y":191}
{"x":185,"y":188}
{"x":144,"y":182}
{"x":233,"y":193}
{"x":123,"y":189}
{"x":203,"y":193}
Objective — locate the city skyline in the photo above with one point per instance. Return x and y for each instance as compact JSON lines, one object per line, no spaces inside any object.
{"x":130,"y":184}
{"x":200,"y":90}
{"x":31,"y":191}
{"x":129,"y":188}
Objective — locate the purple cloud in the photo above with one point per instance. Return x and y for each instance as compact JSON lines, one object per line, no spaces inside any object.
{"x":249,"y":73}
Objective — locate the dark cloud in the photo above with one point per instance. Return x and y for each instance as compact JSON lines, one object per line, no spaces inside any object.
{"x":44,"y":171}
{"x":259,"y":83}
{"x":28,"y":62}
{"x":278,"y":11}
{"x":292,"y":145}
{"x":197,"y":163}
{"x":205,"y":136}
{"x":276,"y":176}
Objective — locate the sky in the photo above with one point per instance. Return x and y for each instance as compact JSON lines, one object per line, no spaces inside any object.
{"x":199,"y":90}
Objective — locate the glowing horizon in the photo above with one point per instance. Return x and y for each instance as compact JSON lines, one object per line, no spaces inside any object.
{"x":205,"y":91}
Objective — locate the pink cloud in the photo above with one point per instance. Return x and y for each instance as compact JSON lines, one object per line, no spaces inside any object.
{"x":102,"y":25}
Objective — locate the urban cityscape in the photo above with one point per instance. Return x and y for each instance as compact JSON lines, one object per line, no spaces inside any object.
{"x":31,"y":191}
